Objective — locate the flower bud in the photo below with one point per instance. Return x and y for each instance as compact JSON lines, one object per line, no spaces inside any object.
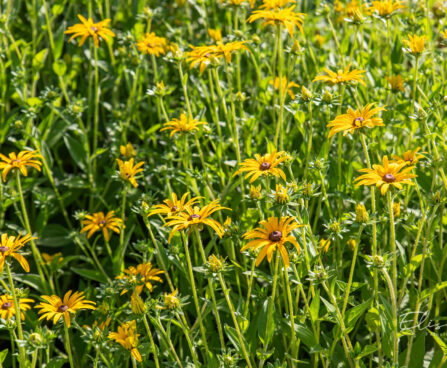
{"x":361,"y":214}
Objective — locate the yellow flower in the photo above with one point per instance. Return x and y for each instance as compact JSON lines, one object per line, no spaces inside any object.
{"x":352,"y":244}
{"x":415,"y":43}
{"x":173,"y":206}
{"x":444,"y":33}
{"x":88,"y":29}
{"x":273,"y":234}
{"x":20,"y":161}
{"x":386,"y":8}
{"x":255,"y":192}
{"x":171,"y":300}
{"x":396,"y":83}
{"x":274,"y":4}
{"x":390,"y":174}
{"x":137,"y":304}
{"x":287,"y":17}
{"x":263,"y":165}
{"x":227,"y":49}
{"x":128,"y":170}
{"x":202,"y":56}
{"x":281,"y":195}
{"x":127,"y":337}
{"x":396,"y":209}
{"x":361,"y":214}
{"x":57,"y":308}
{"x":152,"y":44}
{"x":324,"y":245}
{"x":48,"y":258}
{"x":98,"y":221}
{"x":410,"y":157}
{"x":342,"y":76}
{"x":320,"y":40}
{"x":142,"y":275}
{"x":353,"y":120}
{"x":7,"y":307}
{"x":182,"y":125}
{"x":9,"y":246}
{"x":128,"y":151}
{"x":215,"y":34}
{"x":195,"y":216}
{"x":285,"y":86}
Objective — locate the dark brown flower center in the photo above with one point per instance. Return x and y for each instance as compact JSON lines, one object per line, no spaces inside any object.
{"x":15,"y":161}
{"x":101,"y":223}
{"x":94,"y":29}
{"x":174,"y":208}
{"x":193,"y":216}
{"x":6,"y":305}
{"x":275,"y":236}
{"x":389,"y":178}
{"x":63,"y":308}
{"x":358,"y":121}
{"x":264,"y":166}
{"x":3,"y":249}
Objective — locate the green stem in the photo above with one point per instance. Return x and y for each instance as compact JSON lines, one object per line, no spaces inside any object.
{"x":391,"y":288}
{"x":154,"y":350}
{"x":292,"y":317}
{"x":68,"y":346}
{"x":123,"y":215}
{"x":279,"y":135}
{"x":415,"y":77}
{"x":96,"y":112}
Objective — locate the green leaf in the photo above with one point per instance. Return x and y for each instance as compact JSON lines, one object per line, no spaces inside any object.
{"x":77,"y":152}
{"x":306,"y":335}
{"x":427,"y":292}
{"x":315,"y":306}
{"x":368,"y":349}
{"x":54,"y":235}
{"x":31,"y":280}
{"x":439,"y":341}
{"x":372,"y":319}
{"x":3,"y":355}
{"x":417,"y":352}
{"x":90,"y":274}
{"x":59,"y":67}
{"x":265,"y":332}
{"x":353,"y":314}
{"x":414,"y":263}
{"x":39,"y":59}
{"x":56,"y":363}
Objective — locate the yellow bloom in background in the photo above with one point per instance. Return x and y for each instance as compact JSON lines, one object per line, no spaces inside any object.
{"x":227,"y":49}
{"x":416,"y":43}
{"x":281,"y":195}
{"x":171,"y":300}
{"x":128,"y":170}
{"x":396,"y":83}
{"x":352,"y":244}
{"x":140,"y":276}
{"x":128,"y":151}
{"x":255,"y":192}
{"x":274,"y":4}
{"x":48,"y":258}
{"x":57,"y":308}
{"x":320,"y":40}
{"x":410,"y":157}
{"x":173,"y":206}
{"x":127,"y":337}
{"x":396,"y":209}
{"x":390,"y":174}
{"x":444,"y":34}
{"x":152,"y":44}
{"x":19,"y":161}
{"x":356,"y":119}
{"x":361,"y":214}
{"x":7,"y":307}
{"x":196,"y":216}
{"x":341,"y":76}
{"x":273,"y":235}
{"x":386,"y":8}
{"x":9,"y":246}
{"x":202,"y":56}
{"x":325,"y":244}
{"x":263,"y":165}
{"x":182,"y":125}
{"x":88,"y":29}
{"x":286,"y":17}
{"x":215,"y":34}
{"x":98,"y":221}
{"x":286,"y":86}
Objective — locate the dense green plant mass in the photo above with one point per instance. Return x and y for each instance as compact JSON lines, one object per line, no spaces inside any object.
{"x":222,"y":183}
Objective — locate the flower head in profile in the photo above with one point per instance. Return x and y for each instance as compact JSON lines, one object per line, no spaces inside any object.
{"x":287,"y":17}
{"x":127,"y":337}
{"x":171,"y":301}
{"x":98,"y":221}
{"x":215,"y":34}
{"x":263,"y":165}
{"x":410,"y":157}
{"x":88,"y":28}
{"x":273,"y":235}
{"x":128,"y":170}
{"x":281,"y":194}
{"x":341,"y":76}
{"x":201,"y":56}
{"x":356,"y":119}
{"x":128,"y":151}
{"x":19,"y":161}
{"x":386,"y":8}
{"x":173,"y":205}
{"x":226,"y":49}
{"x":152,"y":44}
{"x":182,"y":125}
{"x":286,"y":86}
{"x":195,"y":216}
{"x":389,"y":174}
{"x":396,"y":83}
{"x":140,"y":276}
{"x":55,"y":308}
{"x":9,"y":247}
{"x":7,"y":307}
{"x":416,"y":44}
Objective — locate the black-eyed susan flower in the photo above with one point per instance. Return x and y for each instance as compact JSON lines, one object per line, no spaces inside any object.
{"x":396,"y":83}
{"x":183,"y":125}
{"x":389,"y":174}
{"x":416,"y":44}
{"x":341,"y":76}
{"x":19,"y":161}
{"x":196,"y":216}
{"x":287,"y":17}
{"x":98,"y":221}
{"x":7,"y":307}
{"x":215,"y":34}
{"x":128,"y":170}
{"x":274,"y":4}
{"x":356,"y":119}
{"x":386,"y":8}
{"x":9,"y":247}
{"x":273,"y":235}
{"x":140,"y":276}
{"x":128,"y":151}
{"x":410,"y":157}
{"x":88,"y":28}
{"x":227,"y":49}
{"x":57,"y":307}
{"x":263,"y":165}
{"x":127,"y":337}
{"x":201,"y":56}
{"x":152,"y":44}
{"x":173,"y":206}
{"x":286,"y":86}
